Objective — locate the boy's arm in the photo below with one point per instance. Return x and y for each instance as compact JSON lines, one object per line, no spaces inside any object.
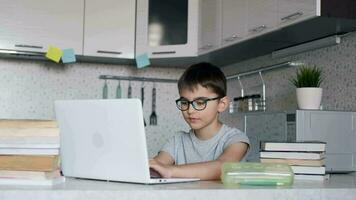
{"x":163,"y":158}
{"x":205,"y":170}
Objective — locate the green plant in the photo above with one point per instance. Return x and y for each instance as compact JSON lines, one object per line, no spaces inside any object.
{"x":307,"y":77}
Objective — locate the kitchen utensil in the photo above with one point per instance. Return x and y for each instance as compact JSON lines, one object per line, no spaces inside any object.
{"x":105,"y":90}
{"x":143,"y":99}
{"x":153,"y":116}
{"x":129,"y":91}
{"x":118,"y":91}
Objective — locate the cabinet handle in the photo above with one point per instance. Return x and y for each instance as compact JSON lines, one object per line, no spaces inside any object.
{"x":292,"y":16}
{"x":232,"y":38}
{"x":258,"y":29}
{"x":28,"y":46}
{"x":163,"y":52}
{"x":109,"y":52}
{"x":208,"y":46}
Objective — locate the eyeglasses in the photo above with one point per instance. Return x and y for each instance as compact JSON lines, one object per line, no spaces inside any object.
{"x":198,"y":104}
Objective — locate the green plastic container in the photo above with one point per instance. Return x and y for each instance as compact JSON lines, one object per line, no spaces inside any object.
{"x":247,"y":173}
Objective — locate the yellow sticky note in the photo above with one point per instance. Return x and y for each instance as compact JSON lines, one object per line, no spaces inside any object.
{"x":54,"y":53}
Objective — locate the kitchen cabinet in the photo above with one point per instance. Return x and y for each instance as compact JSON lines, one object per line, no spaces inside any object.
{"x":261,"y":16}
{"x":293,"y":11}
{"x":32,"y":25}
{"x":167,"y":28}
{"x":109,"y":29}
{"x":234,"y":21}
{"x":209,"y":25}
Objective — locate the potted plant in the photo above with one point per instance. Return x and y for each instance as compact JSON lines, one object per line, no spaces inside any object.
{"x":309,"y":93}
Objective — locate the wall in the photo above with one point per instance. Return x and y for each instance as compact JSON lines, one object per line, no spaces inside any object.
{"x":28,"y":89}
{"x":339,"y":68}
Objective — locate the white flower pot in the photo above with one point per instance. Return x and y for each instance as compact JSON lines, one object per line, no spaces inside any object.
{"x":309,"y":98}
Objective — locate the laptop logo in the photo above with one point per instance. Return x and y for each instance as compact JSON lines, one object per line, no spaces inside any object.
{"x":98,"y":140}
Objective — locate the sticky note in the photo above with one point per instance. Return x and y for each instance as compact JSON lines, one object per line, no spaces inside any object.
{"x":68,"y":56}
{"x":54,"y":53}
{"x":142,"y":61}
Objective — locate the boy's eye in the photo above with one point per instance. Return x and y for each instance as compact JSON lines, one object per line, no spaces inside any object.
{"x":184,"y":103}
{"x":199,"y":102}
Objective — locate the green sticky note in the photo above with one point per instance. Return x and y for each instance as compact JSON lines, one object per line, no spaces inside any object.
{"x":54,"y":53}
{"x":68,"y":56}
{"x":142,"y":61}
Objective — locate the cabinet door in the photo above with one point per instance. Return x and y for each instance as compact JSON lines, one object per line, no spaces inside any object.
{"x":293,"y":11}
{"x":32,"y":25}
{"x":262,"y":16}
{"x":210,"y":25}
{"x":110,"y":28}
{"x":262,"y":127}
{"x":234,"y":21}
{"x":167,"y":28}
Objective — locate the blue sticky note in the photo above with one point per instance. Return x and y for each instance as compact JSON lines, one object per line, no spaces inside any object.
{"x":142,"y":61}
{"x":68,"y":56}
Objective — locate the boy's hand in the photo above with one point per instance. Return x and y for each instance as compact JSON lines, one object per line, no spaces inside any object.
{"x":164,"y":171}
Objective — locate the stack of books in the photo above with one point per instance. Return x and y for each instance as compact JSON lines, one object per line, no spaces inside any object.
{"x":29,"y":152}
{"x":307,"y":159}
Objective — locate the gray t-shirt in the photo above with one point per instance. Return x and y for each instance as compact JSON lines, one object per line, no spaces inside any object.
{"x":186,"y":148}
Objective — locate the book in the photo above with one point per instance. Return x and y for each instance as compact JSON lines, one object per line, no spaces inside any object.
{"x":29,"y":151}
{"x":312,"y":146}
{"x":28,"y":132}
{"x":33,"y":175}
{"x":27,"y":123}
{"x":18,"y":181}
{"x":293,"y":155}
{"x":312,"y":177}
{"x":297,"y":162}
{"x":308,"y":170}
{"x":29,"y":163}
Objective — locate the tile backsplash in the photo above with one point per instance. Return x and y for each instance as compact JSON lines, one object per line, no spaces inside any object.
{"x":337,"y":62}
{"x":28,"y":89}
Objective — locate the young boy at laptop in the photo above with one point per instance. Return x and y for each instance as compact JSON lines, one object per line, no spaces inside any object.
{"x":201,"y":152}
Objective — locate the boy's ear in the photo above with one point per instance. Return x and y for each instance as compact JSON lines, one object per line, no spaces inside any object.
{"x":223,"y":104}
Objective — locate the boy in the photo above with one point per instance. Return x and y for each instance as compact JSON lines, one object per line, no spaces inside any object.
{"x":201,"y":152}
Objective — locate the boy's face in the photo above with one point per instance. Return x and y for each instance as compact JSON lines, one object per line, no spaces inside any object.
{"x":198,"y":119}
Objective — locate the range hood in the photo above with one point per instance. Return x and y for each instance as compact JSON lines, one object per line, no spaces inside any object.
{"x":337,"y":17}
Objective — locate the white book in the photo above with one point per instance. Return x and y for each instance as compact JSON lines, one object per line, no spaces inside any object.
{"x":16,"y":181}
{"x":312,"y":177}
{"x":293,"y":155}
{"x":29,"y":151}
{"x":33,"y":175}
{"x":308,"y":170}
{"x":293,"y":146}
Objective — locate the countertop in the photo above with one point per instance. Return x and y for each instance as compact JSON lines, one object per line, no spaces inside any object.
{"x":339,"y":186}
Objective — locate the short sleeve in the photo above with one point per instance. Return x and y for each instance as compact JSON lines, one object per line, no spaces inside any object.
{"x":170,"y":147}
{"x":236,"y":137}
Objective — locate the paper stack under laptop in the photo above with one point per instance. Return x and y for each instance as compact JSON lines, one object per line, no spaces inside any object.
{"x":29,"y":152}
{"x":307,"y":159}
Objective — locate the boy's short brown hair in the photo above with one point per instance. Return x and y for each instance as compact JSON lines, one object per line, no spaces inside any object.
{"x":205,"y":74}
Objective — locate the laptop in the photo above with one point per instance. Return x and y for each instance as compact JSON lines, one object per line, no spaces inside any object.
{"x":105,"y":140}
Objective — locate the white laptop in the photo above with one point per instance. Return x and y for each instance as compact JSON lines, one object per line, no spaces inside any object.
{"x":105,"y":140}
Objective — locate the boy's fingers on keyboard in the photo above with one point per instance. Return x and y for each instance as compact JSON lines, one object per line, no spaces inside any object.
{"x":154,"y":173}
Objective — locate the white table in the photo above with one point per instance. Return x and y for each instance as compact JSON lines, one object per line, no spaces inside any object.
{"x":338,"y":187}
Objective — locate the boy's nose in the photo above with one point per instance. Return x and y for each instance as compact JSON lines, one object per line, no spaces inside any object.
{"x":190,"y":109}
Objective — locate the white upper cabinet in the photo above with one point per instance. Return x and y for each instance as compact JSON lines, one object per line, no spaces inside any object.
{"x":234,"y":21}
{"x":167,"y":28}
{"x":292,"y":11}
{"x":261,"y":16}
{"x":209,"y":25}
{"x":32,"y":25}
{"x":109,"y":29}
